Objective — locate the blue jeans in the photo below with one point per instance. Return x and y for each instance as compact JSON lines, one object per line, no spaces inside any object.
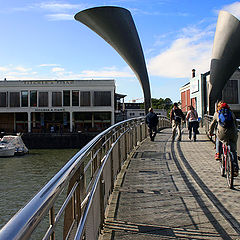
{"x":218,"y":146}
{"x":193,"y":126}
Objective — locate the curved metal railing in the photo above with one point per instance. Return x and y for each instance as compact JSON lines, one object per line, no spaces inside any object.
{"x":80,"y":190}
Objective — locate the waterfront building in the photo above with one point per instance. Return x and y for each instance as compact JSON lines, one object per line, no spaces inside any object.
{"x":56,"y":105}
{"x":195,"y":93}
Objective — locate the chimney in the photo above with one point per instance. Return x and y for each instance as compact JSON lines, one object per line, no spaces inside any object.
{"x":193,"y":73}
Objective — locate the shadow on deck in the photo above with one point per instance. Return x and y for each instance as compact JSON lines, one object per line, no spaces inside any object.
{"x":173,"y":190}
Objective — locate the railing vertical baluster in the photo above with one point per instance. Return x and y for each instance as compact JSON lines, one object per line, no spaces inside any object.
{"x":119,"y":155}
{"x":52,"y":221}
{"x":92,"y":163}
{"x":112,"y":171}
{"x":78,"y":202}
{"x":102,"y":194}
{"x":125,"y":142}
{"x":135,"y":130}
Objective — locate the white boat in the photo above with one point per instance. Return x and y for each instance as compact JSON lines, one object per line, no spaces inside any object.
{"x":6,"y":151}
{"x":11,"y":145}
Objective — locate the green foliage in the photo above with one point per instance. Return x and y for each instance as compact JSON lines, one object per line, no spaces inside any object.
{"x":161,"y":104}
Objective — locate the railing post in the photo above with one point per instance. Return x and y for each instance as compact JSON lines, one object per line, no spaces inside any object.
{"x":125,"y":144}
{"x":112,"y":171}
{"x":135,"y":130}
{"x":52,"y":221}
{"x":119,"y":155}
{"x":102,"y":194}
{"x":73,"y":209}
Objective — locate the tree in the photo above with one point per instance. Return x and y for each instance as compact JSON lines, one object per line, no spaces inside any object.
{"x":161,"y":104}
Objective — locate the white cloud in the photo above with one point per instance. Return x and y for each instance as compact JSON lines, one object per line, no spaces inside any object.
{"x":52,"y":6}
{"x":22,"y":69}
{"x":57,"y":69}
{"x":48,"y":65}
{"x":3,"y":69}
{"x":233,"y":8}
{"x":57,"y":11}
{"x":107,"y":73}
{"x":56,"y":7}
{"x":60,"y":17}
{"x":192,"y":49}
{"x":21,"y":73}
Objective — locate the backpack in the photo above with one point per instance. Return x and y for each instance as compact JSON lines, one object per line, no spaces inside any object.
{"x":177,"y":115}
{"x":225,"y":118}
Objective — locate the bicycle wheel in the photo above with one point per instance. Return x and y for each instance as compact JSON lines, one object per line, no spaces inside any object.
{"x":222,"y":165}
{"x":229,"y":170}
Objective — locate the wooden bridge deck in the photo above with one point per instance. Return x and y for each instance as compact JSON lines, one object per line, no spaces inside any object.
{"x":173,"y":190}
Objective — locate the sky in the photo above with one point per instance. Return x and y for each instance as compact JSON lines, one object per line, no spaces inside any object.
{"x":41,"y":40}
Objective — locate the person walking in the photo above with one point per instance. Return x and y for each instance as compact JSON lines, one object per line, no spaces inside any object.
{"x":192,"y":118}
{"x":176,"y":117}
{"x":152,"y":122}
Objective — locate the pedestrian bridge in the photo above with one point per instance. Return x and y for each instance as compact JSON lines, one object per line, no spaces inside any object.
{"x":123,"y":186}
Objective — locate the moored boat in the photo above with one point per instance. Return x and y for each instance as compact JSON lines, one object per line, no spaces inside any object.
{"x":6,"y":151}
{"x":11,"y":145}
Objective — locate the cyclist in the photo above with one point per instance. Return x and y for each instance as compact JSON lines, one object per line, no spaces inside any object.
{"x":227,"y":132}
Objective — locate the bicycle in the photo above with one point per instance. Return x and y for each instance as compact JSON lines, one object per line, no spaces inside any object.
{"x":226,"y":164}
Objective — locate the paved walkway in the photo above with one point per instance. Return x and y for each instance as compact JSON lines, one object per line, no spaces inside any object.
{"x":173,"y":191}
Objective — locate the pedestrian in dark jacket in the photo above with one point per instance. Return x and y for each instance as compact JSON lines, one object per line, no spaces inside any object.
{"x":176,"y":117}
{"x":152,"y":122}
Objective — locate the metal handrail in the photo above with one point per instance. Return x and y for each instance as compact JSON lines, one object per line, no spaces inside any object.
{"x":82,"y":223}
{"x":24,"y":222}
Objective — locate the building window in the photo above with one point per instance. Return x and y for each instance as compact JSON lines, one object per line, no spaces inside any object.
{"x":75,"y":98}
{"x":14,"y":99}
{"x":230,"y":92}
{"x":142,"y":114}
{"x":66,"y":98}
{"x":33,"y":98}
{"x":24,"y":98}
{"x":3,"y":99}
{"x":102,"y":98}
{"x":43,"y":99}
{"x":57,"y":99}
{"x":85,"y":99}
{"x":132,"y":114}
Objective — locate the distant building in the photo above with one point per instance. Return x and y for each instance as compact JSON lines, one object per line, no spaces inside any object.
{"x":119,"y":107}
{"x":133,"y":110}
{"x":132,"y":113}
{"x":56,"y":105}
{"x":185,"y":97}
{"x":196,"y":93}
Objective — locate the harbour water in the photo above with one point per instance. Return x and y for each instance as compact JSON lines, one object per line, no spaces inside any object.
{"x":21,"y":177}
